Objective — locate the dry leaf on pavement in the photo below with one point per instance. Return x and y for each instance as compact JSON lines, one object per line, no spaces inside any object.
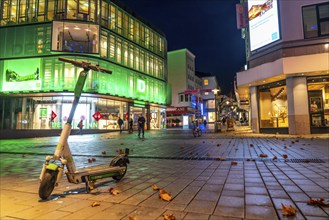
{"x":318,"y":202}
{"x":263,"y":155}
{"x":234,"y":163}
{"x":169,"y":216}
{"x":95,"y":204}
{"x":133,"y":218}
{"x":164,"y":195}
{"x":155,"y":187}
{"x":275,"y":157}
{"x":114,"y":191}
{"x":285,"y":156}
{"x":288,"y":210}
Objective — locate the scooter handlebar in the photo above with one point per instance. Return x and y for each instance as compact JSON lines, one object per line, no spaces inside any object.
{"x":85,"y":65}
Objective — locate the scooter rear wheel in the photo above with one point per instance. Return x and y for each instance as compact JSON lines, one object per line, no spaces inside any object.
{"x":47,"y":184}
{"x":120,"y":163}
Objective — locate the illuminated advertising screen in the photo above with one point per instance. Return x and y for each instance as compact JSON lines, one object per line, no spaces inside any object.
{"x":263,"y":22}
{"x":21,"y":75}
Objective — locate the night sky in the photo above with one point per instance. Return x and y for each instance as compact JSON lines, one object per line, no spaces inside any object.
{"x":207,"y":28}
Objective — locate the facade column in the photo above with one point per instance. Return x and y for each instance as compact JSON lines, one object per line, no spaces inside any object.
{"x":298,"y":110}
{"x":254,"y":109}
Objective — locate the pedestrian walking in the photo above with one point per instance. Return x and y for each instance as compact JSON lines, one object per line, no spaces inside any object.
{"x":80,"y":126}
{"x":205,"y":123}
{"x":141,"y":124}
{"x":131,"y":124}
{"x":120,"y":123}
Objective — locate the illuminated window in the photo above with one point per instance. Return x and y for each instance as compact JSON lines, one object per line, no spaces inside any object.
{"x":118,"y":50}
{"x":131,"y":29}
{"x":103,"y":46}
{"x":112,"y":17}
{"x":75,"y":37}
{"x":273,"y":105}
{"x":105,"y":13}
{"x":112,"y":47}
{"x":205,"y":82}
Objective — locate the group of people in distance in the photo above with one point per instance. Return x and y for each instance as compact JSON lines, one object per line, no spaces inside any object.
{"x":141,"y":125}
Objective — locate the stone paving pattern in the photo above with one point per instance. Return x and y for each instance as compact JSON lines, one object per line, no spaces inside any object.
{"x":197,"y":172}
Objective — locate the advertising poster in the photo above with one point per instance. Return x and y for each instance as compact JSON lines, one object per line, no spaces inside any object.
{"x":21,"y":75}
{"x":263,"y":22}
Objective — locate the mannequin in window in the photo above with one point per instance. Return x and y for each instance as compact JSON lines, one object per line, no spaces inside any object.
{"x":314,"y":106}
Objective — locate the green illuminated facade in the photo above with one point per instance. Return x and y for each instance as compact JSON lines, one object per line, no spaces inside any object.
{"x":35,"y":85}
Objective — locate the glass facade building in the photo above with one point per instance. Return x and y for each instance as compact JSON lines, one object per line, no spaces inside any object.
{"x":36,"y":88}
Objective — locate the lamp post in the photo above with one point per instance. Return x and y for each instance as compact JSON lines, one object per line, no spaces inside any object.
{"x":215,"y":91}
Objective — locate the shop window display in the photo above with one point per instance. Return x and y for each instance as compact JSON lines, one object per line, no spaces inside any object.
{"x":318,"y":92}
{"x":273,"y":107}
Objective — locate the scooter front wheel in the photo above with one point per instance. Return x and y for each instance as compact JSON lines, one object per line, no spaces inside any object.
{"x":120,"y":163}
{"x":47,"y":184}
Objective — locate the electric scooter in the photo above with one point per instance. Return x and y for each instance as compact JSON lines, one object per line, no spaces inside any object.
{"x":53,"y":168}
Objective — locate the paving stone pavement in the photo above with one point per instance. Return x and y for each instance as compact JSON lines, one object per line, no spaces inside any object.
{"x":216,"y":176}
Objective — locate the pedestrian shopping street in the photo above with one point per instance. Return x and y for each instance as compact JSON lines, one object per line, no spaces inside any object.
{"x":228,"y":175}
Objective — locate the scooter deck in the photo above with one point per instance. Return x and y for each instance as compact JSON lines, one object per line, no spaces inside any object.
{"x":94,"y":170}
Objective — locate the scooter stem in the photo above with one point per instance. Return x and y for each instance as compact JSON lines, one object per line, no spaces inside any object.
{"x":62,"y":148}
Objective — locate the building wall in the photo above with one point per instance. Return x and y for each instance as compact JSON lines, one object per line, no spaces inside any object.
{"x":177,"y":74}
{"x":290,"y":13}
{"x":272,"y":80}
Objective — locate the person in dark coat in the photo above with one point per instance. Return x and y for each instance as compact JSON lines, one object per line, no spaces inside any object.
{"x":120,"y":123}
{"x":141,"y":124}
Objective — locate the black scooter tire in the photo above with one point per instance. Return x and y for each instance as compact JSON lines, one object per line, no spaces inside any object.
{"x":47,"y":184}
{"x":120,"y":163}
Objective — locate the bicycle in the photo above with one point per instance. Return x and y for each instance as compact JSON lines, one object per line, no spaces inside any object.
{"x":197,"y":132}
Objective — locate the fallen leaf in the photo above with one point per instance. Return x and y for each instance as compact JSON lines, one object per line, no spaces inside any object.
{"x":114,"y":191}
{"x":90,"y":160}
{"x":169,"y":216}
{"x":164,"y":195}
{"x":220,"y":158}
{"x":95,"y":204}
{"x":248,"y":159}
{"x":318,"y":202}
{"x":133,"y":218}
{"x":155,"y":187}
{"x":251,"y":145}
{"x":285,"y":156}
{"x":233,"y":163}
{"x":274,"y":158}
{"x":288,"y":210}
{"x":93,"y":159}
{"x":120,"y":151}
{"x":263,"y":155}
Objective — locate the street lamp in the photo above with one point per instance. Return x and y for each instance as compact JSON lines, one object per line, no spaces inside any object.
{"x":215,"y":91}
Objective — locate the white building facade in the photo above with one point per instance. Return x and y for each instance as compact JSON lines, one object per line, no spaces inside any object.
{"x":286,"y":81}
{"x":186,"y":101}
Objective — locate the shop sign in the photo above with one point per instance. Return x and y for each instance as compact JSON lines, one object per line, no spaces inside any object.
{"x":97,"y":116}
{"x":141,"y":87}
{"x":53,"y":115}
{"x":43,"y":112}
